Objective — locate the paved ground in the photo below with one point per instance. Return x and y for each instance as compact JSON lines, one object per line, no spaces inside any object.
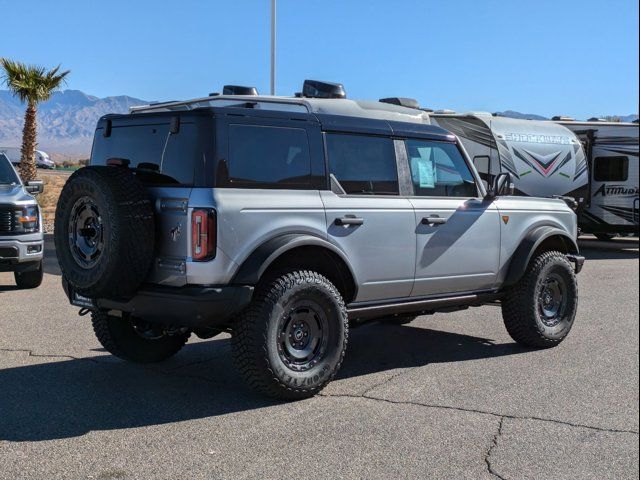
{"x":449,"y":396}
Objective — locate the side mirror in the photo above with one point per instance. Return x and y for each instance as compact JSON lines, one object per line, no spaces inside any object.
{"x":34,"y":187}
{"x":502,"y":185}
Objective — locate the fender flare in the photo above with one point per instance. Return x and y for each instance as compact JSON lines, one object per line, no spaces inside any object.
{"x":532,"y":240}
{"x":254,"y":266}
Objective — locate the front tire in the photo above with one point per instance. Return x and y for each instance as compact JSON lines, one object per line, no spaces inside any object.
{"x":31,"y":279}
{"x":291,"y":339}
{"x":134,"y":340}
{"x":540,"y":309}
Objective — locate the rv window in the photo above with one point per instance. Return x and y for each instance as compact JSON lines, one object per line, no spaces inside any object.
{"x":611,"y":169}
{"x":439,"y":170}
{"x":363,"y":165}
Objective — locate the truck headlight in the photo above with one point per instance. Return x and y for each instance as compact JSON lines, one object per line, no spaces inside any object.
{"x":26,"y":219}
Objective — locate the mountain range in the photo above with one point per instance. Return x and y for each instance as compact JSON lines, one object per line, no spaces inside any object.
{"x":66,"y":121}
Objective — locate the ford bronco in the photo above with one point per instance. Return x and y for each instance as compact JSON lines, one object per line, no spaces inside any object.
{"x":284,"y":220}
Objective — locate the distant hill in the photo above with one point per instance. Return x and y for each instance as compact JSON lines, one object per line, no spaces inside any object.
{"x":65,"y":122}
{"x":521,"y":116}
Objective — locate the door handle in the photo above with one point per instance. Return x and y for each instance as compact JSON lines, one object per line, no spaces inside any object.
{"x":433,"y":220}
{"x":348,"y":221}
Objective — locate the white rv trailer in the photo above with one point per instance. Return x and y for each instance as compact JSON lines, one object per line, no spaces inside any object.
{"x":42,"y":158}
{"x":544,"y":158}
{"x":612,"y":155}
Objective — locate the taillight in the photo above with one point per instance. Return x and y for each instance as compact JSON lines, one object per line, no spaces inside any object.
{"x":203,"y":235}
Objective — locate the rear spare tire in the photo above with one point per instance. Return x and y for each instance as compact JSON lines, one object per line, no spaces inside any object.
{"x":104,"y":232}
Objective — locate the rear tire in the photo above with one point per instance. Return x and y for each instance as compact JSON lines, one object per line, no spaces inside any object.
{"x":31,"y":279}
{"x":135,"y":341}
{"x":540,"y":309}
{"x":291,"y":339}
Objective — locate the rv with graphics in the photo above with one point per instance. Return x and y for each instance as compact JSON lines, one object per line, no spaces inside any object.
{"x":612,"y":154}
{"x":595,"y":163}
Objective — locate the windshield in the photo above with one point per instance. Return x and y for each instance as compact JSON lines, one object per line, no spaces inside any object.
{"x":7,"y":173}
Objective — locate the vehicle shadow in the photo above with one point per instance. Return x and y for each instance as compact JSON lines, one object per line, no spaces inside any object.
{"x":51,"y":400}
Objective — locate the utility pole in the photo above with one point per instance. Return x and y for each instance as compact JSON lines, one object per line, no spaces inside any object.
{"x":273,"y":47}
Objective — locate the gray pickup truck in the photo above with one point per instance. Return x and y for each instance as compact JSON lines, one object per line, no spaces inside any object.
{"x":284,"y":221}
{"x":21,"y":239}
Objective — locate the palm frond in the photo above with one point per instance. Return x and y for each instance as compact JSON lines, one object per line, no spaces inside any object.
{"x":31,"y":83}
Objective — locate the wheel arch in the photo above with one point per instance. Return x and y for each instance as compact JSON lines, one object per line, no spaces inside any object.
{"x":539,"y":239}
{"x":303,"y":251}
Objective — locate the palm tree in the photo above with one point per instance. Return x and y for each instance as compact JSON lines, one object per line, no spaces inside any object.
{"x":31,"y":84}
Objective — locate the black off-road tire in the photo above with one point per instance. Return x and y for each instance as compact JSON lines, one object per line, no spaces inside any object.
{"x":397,"y":319}
{"x":126,"y":230}
{"x":30,"y":279}
{"x":119,"y":337}
{"x":258,"y":343}
{"x":522,"y":308}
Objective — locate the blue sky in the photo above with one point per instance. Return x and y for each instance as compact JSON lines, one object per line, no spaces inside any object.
{"x":569,"y":57}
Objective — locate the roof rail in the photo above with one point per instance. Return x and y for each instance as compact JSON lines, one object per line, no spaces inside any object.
{"x":562,"y":118}
{"x":268,"y":103}
{"x":445,"y":111}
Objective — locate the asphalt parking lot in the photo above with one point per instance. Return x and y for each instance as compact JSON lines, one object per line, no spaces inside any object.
{"x":448,"y":396}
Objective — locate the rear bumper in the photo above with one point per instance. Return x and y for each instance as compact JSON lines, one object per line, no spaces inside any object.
{"x":189,"y":306}
{"x":577,"y":260}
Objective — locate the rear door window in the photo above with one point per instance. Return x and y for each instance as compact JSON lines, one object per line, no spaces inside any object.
{"x":267,"y":157}
{"x":362,"y":164}
{"x":611,"y":169}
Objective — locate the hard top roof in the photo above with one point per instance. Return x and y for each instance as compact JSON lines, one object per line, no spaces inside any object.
{"x":331,"y":106}
{"x":333,"y":114}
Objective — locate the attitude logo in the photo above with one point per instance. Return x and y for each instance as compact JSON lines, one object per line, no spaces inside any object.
{"x":617,"y":191}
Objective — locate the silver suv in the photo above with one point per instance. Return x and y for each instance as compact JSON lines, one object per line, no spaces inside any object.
{"x":286,"y":220}
{"x":21,"y":239}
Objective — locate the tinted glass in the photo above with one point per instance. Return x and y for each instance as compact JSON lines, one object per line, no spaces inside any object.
{"x":611,"y":169}
{"x":7,"y":174}
{"x":438,"y":170}
{"x":183,"y":155}
{"x":362,"y":164}
{"x":267,"y":157}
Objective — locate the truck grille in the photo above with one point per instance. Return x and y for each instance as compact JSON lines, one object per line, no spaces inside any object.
{"x":6,"y":219}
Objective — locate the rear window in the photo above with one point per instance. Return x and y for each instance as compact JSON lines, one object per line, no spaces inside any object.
{"x":611,"y":169}
{"x":363,"y":164}
{"x":267,"y":157}
{"x":177,"y":157}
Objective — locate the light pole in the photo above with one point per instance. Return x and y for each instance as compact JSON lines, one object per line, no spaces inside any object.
{"x":273,"y":47}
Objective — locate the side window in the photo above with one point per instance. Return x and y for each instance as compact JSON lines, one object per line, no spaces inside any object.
{"x":439,"y":170}
{"x":267,"y":157}
{"x":611,"y":169}
{"x":363,"y":164}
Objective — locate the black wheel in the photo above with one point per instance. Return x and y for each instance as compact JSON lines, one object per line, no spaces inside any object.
{"x":30,"y":279}
{"x":290,"y":341}
{"x":605,"y":237}
{"x":540,"y":309}
{"x":104,"y":232}
{"x":135,"y":340}
{"x":397,"y":319}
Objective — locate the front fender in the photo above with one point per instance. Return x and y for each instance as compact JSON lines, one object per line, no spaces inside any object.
{"x":532,"y":240}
